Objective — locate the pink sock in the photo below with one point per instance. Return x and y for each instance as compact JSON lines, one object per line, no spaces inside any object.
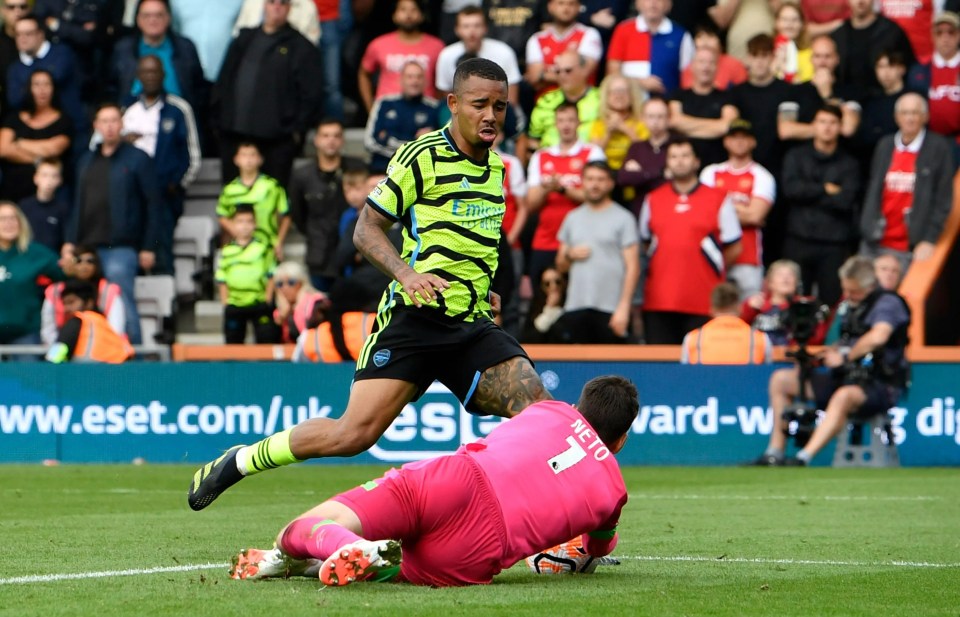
{"x":315,"y":537}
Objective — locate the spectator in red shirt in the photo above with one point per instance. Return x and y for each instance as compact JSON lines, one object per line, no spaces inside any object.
{"x":386,"y":55}
{"x":901,"y":215}
{"x":730,"y":71}
{"x":691,"y":235}
{"x":939,"y":79}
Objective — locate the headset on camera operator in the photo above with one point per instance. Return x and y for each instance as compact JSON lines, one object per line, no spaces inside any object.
{"x":863,"y":375}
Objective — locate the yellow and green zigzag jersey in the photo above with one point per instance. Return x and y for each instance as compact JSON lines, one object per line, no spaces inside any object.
{"x":451,"y":209}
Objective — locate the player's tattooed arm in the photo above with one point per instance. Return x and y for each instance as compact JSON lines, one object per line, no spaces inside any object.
{"x":509,"y":387}
{"x":370,"y":238}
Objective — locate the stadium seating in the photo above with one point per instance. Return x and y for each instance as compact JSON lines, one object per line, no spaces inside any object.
{"x":191,"y":251}
{"x":155,"y":302}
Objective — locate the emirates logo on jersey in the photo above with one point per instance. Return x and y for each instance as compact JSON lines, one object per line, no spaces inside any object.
{"x":900,"y":181}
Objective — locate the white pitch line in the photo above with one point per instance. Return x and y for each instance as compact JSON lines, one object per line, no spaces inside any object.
{"x":48,"y":578}
{"x":793,"y":562}
{"x":686,"y":497}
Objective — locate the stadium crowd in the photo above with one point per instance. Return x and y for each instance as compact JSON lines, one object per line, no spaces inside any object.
{"x":652,"y":152}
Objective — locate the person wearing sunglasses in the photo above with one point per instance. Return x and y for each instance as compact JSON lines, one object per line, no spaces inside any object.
{"x":109,"y":302}
{"x":295,"y":298}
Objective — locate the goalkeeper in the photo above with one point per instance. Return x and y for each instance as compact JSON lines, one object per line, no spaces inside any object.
{"x":546,"y":476}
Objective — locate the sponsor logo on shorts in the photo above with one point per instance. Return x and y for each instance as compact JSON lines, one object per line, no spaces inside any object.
{"x":381,"y":357}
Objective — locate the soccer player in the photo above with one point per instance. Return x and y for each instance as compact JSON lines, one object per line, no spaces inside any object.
{"x":461,"y":519}
{"x":435,"y":319}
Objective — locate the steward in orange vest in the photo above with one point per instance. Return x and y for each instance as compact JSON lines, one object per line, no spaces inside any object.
{"x":726,"y":339}
{"x":338,"y":339}
{"x":86,"y":335}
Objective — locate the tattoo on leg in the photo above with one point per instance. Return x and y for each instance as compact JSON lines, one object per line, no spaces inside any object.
{"x":509,"y":387}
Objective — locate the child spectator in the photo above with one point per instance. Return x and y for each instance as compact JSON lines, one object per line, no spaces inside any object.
{"x":244,"y":279}
{"x":792,"y":53}
{"x":766,"y":311}
{"x":355,"y":190}
{"x":265,"y":194}
{"x":47,"y":210}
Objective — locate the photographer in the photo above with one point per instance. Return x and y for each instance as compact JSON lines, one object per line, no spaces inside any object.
{"x":863,"y":374}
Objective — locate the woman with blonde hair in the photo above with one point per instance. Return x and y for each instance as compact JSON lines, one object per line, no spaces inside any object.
{"x":22,"y":263}
{"x":295,"y":298}
{"x":793,"y":61}
{"x":618,"y":122}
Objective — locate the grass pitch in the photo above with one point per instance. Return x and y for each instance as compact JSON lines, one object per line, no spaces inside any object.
{"x":694,"y":541}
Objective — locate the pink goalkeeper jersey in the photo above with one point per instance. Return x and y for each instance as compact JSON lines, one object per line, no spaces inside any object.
{"x":553,"y":477}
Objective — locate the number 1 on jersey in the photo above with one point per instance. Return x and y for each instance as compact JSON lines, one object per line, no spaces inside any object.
{"x":569,"y":457}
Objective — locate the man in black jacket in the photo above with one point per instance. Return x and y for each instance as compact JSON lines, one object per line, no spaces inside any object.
{"x":317,"y":201}
{"x":269,"y":92}
{"x":820,"y":182}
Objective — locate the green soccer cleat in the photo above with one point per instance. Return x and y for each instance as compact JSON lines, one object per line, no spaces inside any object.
{"x":361,"y":560}
{"x":214,"y":478}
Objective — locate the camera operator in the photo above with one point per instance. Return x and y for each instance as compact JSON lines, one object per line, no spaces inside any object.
{"x":862,"y":375}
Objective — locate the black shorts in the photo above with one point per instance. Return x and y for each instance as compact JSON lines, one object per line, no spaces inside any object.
{"x":412,"y":345}
{"x":880,"y":396}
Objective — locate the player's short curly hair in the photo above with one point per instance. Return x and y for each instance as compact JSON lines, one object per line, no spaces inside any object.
{"x":610,"y":404}
{"x":479,"y":67}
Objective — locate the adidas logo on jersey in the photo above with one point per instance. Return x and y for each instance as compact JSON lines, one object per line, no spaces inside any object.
{"x":464,"y":184}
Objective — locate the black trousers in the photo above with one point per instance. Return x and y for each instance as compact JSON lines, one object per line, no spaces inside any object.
{"x":236,"y":318}
{"x":669,"y":328}
{"x":819,"y":263}
{"x":585,"y":326}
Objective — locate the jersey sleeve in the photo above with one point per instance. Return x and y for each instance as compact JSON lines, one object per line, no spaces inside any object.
{"x":224,"y":209}
{"x":709,"y":175}
{"x":533,"y":170}
{"x":596,"y":154}
{"x":764,"y":186}
{"x":370,"y":62}
{"x":591,"y":45}
{"x":518,"y":179}
{"x":534,"y":53}
{"x":283,"y":205}
{"x":603,"y":540}
{"x":397,"y":193}
{"x":617,"y":48}
{"x":730,"y":230}
{"x":686,"y":51}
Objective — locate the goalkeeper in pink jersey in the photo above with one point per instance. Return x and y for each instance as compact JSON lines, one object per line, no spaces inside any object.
{"x":547,"y":475}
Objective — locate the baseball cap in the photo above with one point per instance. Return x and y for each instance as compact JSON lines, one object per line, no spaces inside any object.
{"x":947,"y":17}
{"x":740,"y":126}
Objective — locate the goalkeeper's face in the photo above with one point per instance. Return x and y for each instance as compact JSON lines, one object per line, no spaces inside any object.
{"x":478,"y":110}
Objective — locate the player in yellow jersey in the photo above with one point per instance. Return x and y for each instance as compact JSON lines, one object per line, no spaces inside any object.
{"x":435,"y":320}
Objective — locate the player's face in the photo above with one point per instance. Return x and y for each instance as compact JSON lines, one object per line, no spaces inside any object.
{"x":739,"y":144}
{"x":407,"y":16}
{"x":564,"y":12}
{"x":682,"y":162}
{"x":471,"y":29}
{"x":412,"y":80}
{"x":597,"y":185}
{"x":946,"y":40}
{"x":329,"y":140}
{"x":826,"y":127}
{"x":567,"y":124}
{"x":479,"y":110}
{"x":243,"y":225}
